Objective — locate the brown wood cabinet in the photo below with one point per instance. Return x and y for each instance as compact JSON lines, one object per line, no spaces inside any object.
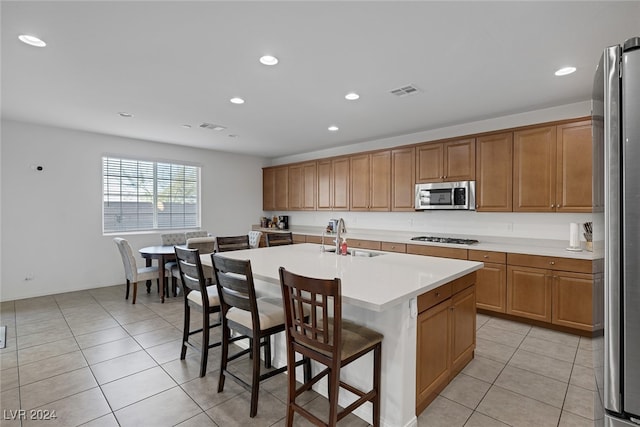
{"x":393,"y":247}
{"x":553,"y":168}
{"x":363,"y":244}
{"x":445,"y":337}
{"x":572,"y":295}
{"x":494,"y":173}
{"x":370,"y":179}
{"x":403,"y":179}
{"x":437,"y":251}
{"x":491,"y":280}
{"x":333,"y":184}
{"x":529,"y":293}
{"x":453,"y":160}
{"x":302,"y":187}
{"x":275,"y":188}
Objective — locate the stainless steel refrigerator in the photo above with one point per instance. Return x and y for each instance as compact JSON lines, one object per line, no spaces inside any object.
{"x":616,"y":130}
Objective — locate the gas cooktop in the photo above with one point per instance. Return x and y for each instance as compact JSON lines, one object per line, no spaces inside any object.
{"x":445,"y":240}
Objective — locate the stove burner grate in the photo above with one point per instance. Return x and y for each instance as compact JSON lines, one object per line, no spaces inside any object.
{"x":445,"y":240}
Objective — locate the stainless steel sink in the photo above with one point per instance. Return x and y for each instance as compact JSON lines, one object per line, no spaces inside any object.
{"x":356,"y":252}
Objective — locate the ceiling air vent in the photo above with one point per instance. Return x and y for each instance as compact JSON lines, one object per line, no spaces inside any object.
{"x":212,"y":126}
{"x":405,"y":90}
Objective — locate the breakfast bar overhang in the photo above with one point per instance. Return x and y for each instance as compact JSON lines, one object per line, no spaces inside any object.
{"x":379,"y":290}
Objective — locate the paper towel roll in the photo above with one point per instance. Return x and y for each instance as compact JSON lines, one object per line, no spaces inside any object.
{"x":574,"y":235}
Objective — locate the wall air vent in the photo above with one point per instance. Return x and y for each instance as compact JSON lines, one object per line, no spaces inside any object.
{"x":405,"y":90}
{"x":212,"y":126}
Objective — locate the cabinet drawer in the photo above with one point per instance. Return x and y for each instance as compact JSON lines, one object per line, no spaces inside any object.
{"x":394,"y":247}
{"x":434,"y":297}
{"x":299,"y":238}
{"x":488,"y":256}
{"x":318,"y":239}
{"x":551,"y":263}
{"x":363,"y":244}
{"x":437,"y":251}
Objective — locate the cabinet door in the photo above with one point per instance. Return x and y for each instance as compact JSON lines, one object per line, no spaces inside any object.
{"x":534,"y":170}
{"x":491,"y":287}
{"x":463,"y":329}
{"x":574,"y":167}
{"x":494,"y":173}
{"x":432,"y":353}
{"x":380,"y":181}
{"x":573,"y":300}
{"x":403,"y":179}
{"x":529,"y":293}
{"x":282,"y":188}
{"x":460,"y":160}
{"x":360,"y":182}
{"x":268,"y":189}
{"x":309,"y":186}
{"x":429,"y":163}
{"x":296,"y":182}
{"x":325,"y":183}
{"x":340,"y":184}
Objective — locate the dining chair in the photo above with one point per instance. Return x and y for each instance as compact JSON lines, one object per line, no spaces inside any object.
{"x":192,"y":234}
{"x":132,"y":273}
{"x":232,"y":243}
{"x":254,"y":238}
{"x":171,"y":267}
{"x":325,"y":337}
{"x":256,"y":318}
{"x":279,"y":239}
{"x":195,"y":285}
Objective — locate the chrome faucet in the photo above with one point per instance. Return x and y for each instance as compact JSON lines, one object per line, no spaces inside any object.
{"x":339,"y":229}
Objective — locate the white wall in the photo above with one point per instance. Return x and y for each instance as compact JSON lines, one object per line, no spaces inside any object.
{"x":51,"y":221}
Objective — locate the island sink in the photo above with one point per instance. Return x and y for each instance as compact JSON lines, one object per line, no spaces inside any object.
{"x":357,"y":252}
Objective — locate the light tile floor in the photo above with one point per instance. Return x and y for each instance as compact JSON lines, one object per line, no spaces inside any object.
{"x":98,"y":360}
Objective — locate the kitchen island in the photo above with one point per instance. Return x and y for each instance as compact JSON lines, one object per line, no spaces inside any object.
{"x":380,"y":292}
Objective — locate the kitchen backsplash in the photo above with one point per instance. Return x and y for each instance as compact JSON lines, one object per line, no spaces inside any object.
{"x":523,"y":225}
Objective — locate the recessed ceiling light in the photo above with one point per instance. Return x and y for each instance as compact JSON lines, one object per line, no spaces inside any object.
{"x":333,"y":128}
{"x":31,"y":40}
{"x":352,"y":96}
{"x":268,"y":60}
{"x":186,"y":126}
{"x":125,"y":114}
{"x":565,"y":71}
{"x":237,"y":100}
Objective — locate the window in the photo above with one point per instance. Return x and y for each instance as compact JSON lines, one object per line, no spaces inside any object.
{"x":141,"y":195}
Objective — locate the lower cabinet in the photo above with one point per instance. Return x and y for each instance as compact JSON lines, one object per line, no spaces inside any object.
{"x":446,"y":337}
{"x":529,"y":293}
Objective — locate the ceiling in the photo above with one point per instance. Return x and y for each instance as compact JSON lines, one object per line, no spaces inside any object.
{"x":174,"y":63}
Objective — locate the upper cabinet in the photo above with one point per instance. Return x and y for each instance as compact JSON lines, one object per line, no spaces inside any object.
{"x":552,"y":168}
{"x":370,"y":181}
{"x":275,"y":183}
{"x":494,"y":168}
{"x":403,"y":178}
{"x":333,"y":184}
{"x":446,"y":161}
{"x":302,"y":187}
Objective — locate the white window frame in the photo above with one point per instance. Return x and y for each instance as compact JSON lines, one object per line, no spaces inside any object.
{"x":123,"y":181}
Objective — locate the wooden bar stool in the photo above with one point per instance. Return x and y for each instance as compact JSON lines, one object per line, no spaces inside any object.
{"x":232,"y":243}
{"x":279,"y":239}
{"x":331,"y":341}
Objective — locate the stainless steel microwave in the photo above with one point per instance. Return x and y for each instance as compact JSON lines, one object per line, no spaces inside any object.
{"x":446,"y":195}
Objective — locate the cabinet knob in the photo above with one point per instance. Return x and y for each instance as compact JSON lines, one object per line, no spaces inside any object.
{"x":477,"y":206}
{"x":393,"y":247}
{"x":485,"y":256}
{"x":553,"y":205}
{"x":441,"y":177}
{"x":559,"y":206}
{"x":552,"y":262}
{"x":437,"y":294}
{"x":445,"y":176}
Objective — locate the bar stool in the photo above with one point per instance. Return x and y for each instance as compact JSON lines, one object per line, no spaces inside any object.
{"x":331,"y":341}
{"x":279,"y":239}
{"x":232,"y":243}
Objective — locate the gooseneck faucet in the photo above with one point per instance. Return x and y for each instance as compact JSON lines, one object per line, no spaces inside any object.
{"x":340,"y":229}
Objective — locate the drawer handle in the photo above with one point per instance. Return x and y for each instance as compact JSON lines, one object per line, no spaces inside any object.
{"x":485,"y":256}
{"x":552,"y":262}
{"x":437,"y":294}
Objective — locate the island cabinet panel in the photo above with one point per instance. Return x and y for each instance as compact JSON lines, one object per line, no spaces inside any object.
{"x":393,"y":247}
{"x":403,"y":179}
{"x":453,"y":160}
{"x":437,"y":251}
{"x":494,"y":173}
{"x":573,"y":300}
{"x":574,"y":167}
{"x":529,"y":293}
{"x":491,"y":281}
{"x":446,"y":331}
{"x":534,"y":170}
{"x":333,"y":184}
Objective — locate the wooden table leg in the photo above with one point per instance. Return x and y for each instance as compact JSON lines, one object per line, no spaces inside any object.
{"x":162,"y":278}
{"x":148,"y":264}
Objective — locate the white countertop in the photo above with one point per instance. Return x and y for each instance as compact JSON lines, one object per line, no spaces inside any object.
{"x":375,"y":283}
{"x":528,"y":246}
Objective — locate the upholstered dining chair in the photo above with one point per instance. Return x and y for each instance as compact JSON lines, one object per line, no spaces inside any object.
{"x":195,"y":285}
{"x":206,"y":245}
{"x":279,"y":239}
{"x":323,"y":336}
{"x":254,"y":238}
{"x":232,"y":243}
{"x":256,"y":318}
{"x":132,"y":273}
{"x":192,"y":234}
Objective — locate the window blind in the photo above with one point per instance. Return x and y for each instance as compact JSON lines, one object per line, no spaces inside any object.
{"x":144,"y":195}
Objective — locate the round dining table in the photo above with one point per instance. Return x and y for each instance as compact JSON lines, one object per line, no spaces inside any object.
{"x":163,"y":254}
